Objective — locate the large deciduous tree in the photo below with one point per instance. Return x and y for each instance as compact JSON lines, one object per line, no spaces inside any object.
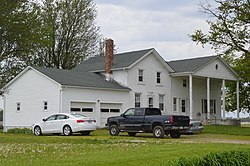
{"x":70,"y":31}
{"x":18,"y":36}
{"x":50,"y":33}
{"x":229,"y":35}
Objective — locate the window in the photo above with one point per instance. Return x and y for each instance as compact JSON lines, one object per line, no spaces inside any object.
{"x":158,"y":77}
{"x":184,"y":83}
{"x":153,"y":111}
{"x":18,"y":106}
{"x":175,"y":104}
{"x":104,"y":110}
{"x":161,"y":102}
{"x":45,"y":105}
{"x":137,"y":100}
{"x":114,"y":110}
{"x":75,"y":109}
{"x":60,"y":117}
{"x":87,"y":109}
{"x":53,"y":117}
{"x":212,"y":106}
{"x":130,"y":112}
{"x":150,"y":102}
{"x":139,"y":112}
{"x":183,"y":105}
{"x":140,"y":75}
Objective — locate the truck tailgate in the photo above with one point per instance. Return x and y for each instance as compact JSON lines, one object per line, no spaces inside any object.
{"x":179,"y":120}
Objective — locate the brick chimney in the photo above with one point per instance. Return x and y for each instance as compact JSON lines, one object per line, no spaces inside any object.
{"x":109,"y":57}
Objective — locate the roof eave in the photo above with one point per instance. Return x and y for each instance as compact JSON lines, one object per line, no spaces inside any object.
{"x":96,"y":88}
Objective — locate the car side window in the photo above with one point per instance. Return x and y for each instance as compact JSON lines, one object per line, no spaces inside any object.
{"x":60,"y":117}
{"x":53,"y":117}
{"x":130,"y":112}
{"x":153,"y":111}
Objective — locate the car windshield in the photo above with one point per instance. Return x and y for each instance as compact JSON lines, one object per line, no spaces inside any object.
{"x":79,"y":115}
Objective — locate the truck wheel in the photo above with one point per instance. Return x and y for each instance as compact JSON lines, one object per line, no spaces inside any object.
{"x":158,"y":132}
{"x":175,"y":135}
{"x":113,"y":130}
{"x":131,"y":133}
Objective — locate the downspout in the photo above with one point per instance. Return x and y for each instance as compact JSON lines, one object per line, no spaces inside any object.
{"x":4,"y":109}
{"x":60,"y":100}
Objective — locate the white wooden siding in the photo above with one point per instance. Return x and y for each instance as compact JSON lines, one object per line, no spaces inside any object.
{"x":31,"y":90}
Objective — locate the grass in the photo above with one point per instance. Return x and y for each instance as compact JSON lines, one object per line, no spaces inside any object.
{"x":102,"y":149}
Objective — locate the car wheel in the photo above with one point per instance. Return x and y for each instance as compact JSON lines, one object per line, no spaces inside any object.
{"x":131,"y":133}
{"x":37,"y":131}
{"x":113,"y":130}
{"x":67,"y":130}
{"x":85,"y":132}
{"x":175,"y":135}
{"x":158,"y":132}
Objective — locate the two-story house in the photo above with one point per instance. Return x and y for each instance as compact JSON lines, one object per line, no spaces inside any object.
{"x":106,"y":86}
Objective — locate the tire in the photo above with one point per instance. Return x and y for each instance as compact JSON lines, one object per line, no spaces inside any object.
{"x":67,"y":130}
{"x":85,"y":132}
{"x":37,"y":131}
{"x":158,"y":132}
{"x":175,"y":135}
{"x":113,"y":130}
{"x":132,"y":133}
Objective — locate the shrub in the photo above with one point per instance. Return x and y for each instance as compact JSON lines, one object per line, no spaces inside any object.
{"x":227,"y":158}
{"x":20,"y":131}
{"x":1,"y":115}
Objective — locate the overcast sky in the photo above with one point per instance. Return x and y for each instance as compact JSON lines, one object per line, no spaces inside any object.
{"x":160,"y":24}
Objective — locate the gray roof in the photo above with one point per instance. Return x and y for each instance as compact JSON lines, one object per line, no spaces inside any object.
{"x":189,"y":65}
{"x":121,"y":60}
{"x":82,"y":79}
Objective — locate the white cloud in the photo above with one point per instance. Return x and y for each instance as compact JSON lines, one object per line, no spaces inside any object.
{"x":165,"y":30}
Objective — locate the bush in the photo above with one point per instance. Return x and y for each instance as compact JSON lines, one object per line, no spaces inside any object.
{"x":20,"y":131}
{"x":227,"y":158}
{"x":1,"y":115}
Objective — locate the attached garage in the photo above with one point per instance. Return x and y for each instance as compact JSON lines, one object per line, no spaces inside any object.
{"x":85,"y":108}
{"x":109,"y":109}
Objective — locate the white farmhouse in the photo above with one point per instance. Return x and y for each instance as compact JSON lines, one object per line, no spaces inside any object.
{"x":106,"y":86}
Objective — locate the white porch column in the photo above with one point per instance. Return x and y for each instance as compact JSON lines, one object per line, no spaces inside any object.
{"x":238,"y":100}
{"x":223,"y":99}
{"x":190,"y":96}
{"x":98,"y":113}
{"x":208,"y":98}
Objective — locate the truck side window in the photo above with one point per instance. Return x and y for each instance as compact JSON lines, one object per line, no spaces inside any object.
{"x":153,"y":111}
{"x":139,"y":112}
{"x":130,"y":112}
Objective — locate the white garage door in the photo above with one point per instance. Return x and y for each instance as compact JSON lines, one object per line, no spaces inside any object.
{"x":85,"y":108}
{"x":109,"y":109}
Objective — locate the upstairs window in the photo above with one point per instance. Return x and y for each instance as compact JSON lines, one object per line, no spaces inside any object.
{"x":137,"y":100}
{"x":161,"y":102}
{"x":158,"y":77}
{"x":140,"y":75}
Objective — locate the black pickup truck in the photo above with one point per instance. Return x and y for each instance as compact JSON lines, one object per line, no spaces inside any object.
{"x":149,"y":120}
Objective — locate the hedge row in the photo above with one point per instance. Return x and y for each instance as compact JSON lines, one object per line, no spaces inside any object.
{"x":227,"y":158}
{"x":20,"y":131}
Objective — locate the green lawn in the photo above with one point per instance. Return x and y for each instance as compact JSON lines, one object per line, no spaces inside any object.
{"x":102,"y":149}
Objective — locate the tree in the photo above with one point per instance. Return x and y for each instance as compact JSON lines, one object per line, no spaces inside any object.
{"x":50,"y":33}
{"x":229,"y":35}
{"x":70,"y":33}
{"x":18,"y":37}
